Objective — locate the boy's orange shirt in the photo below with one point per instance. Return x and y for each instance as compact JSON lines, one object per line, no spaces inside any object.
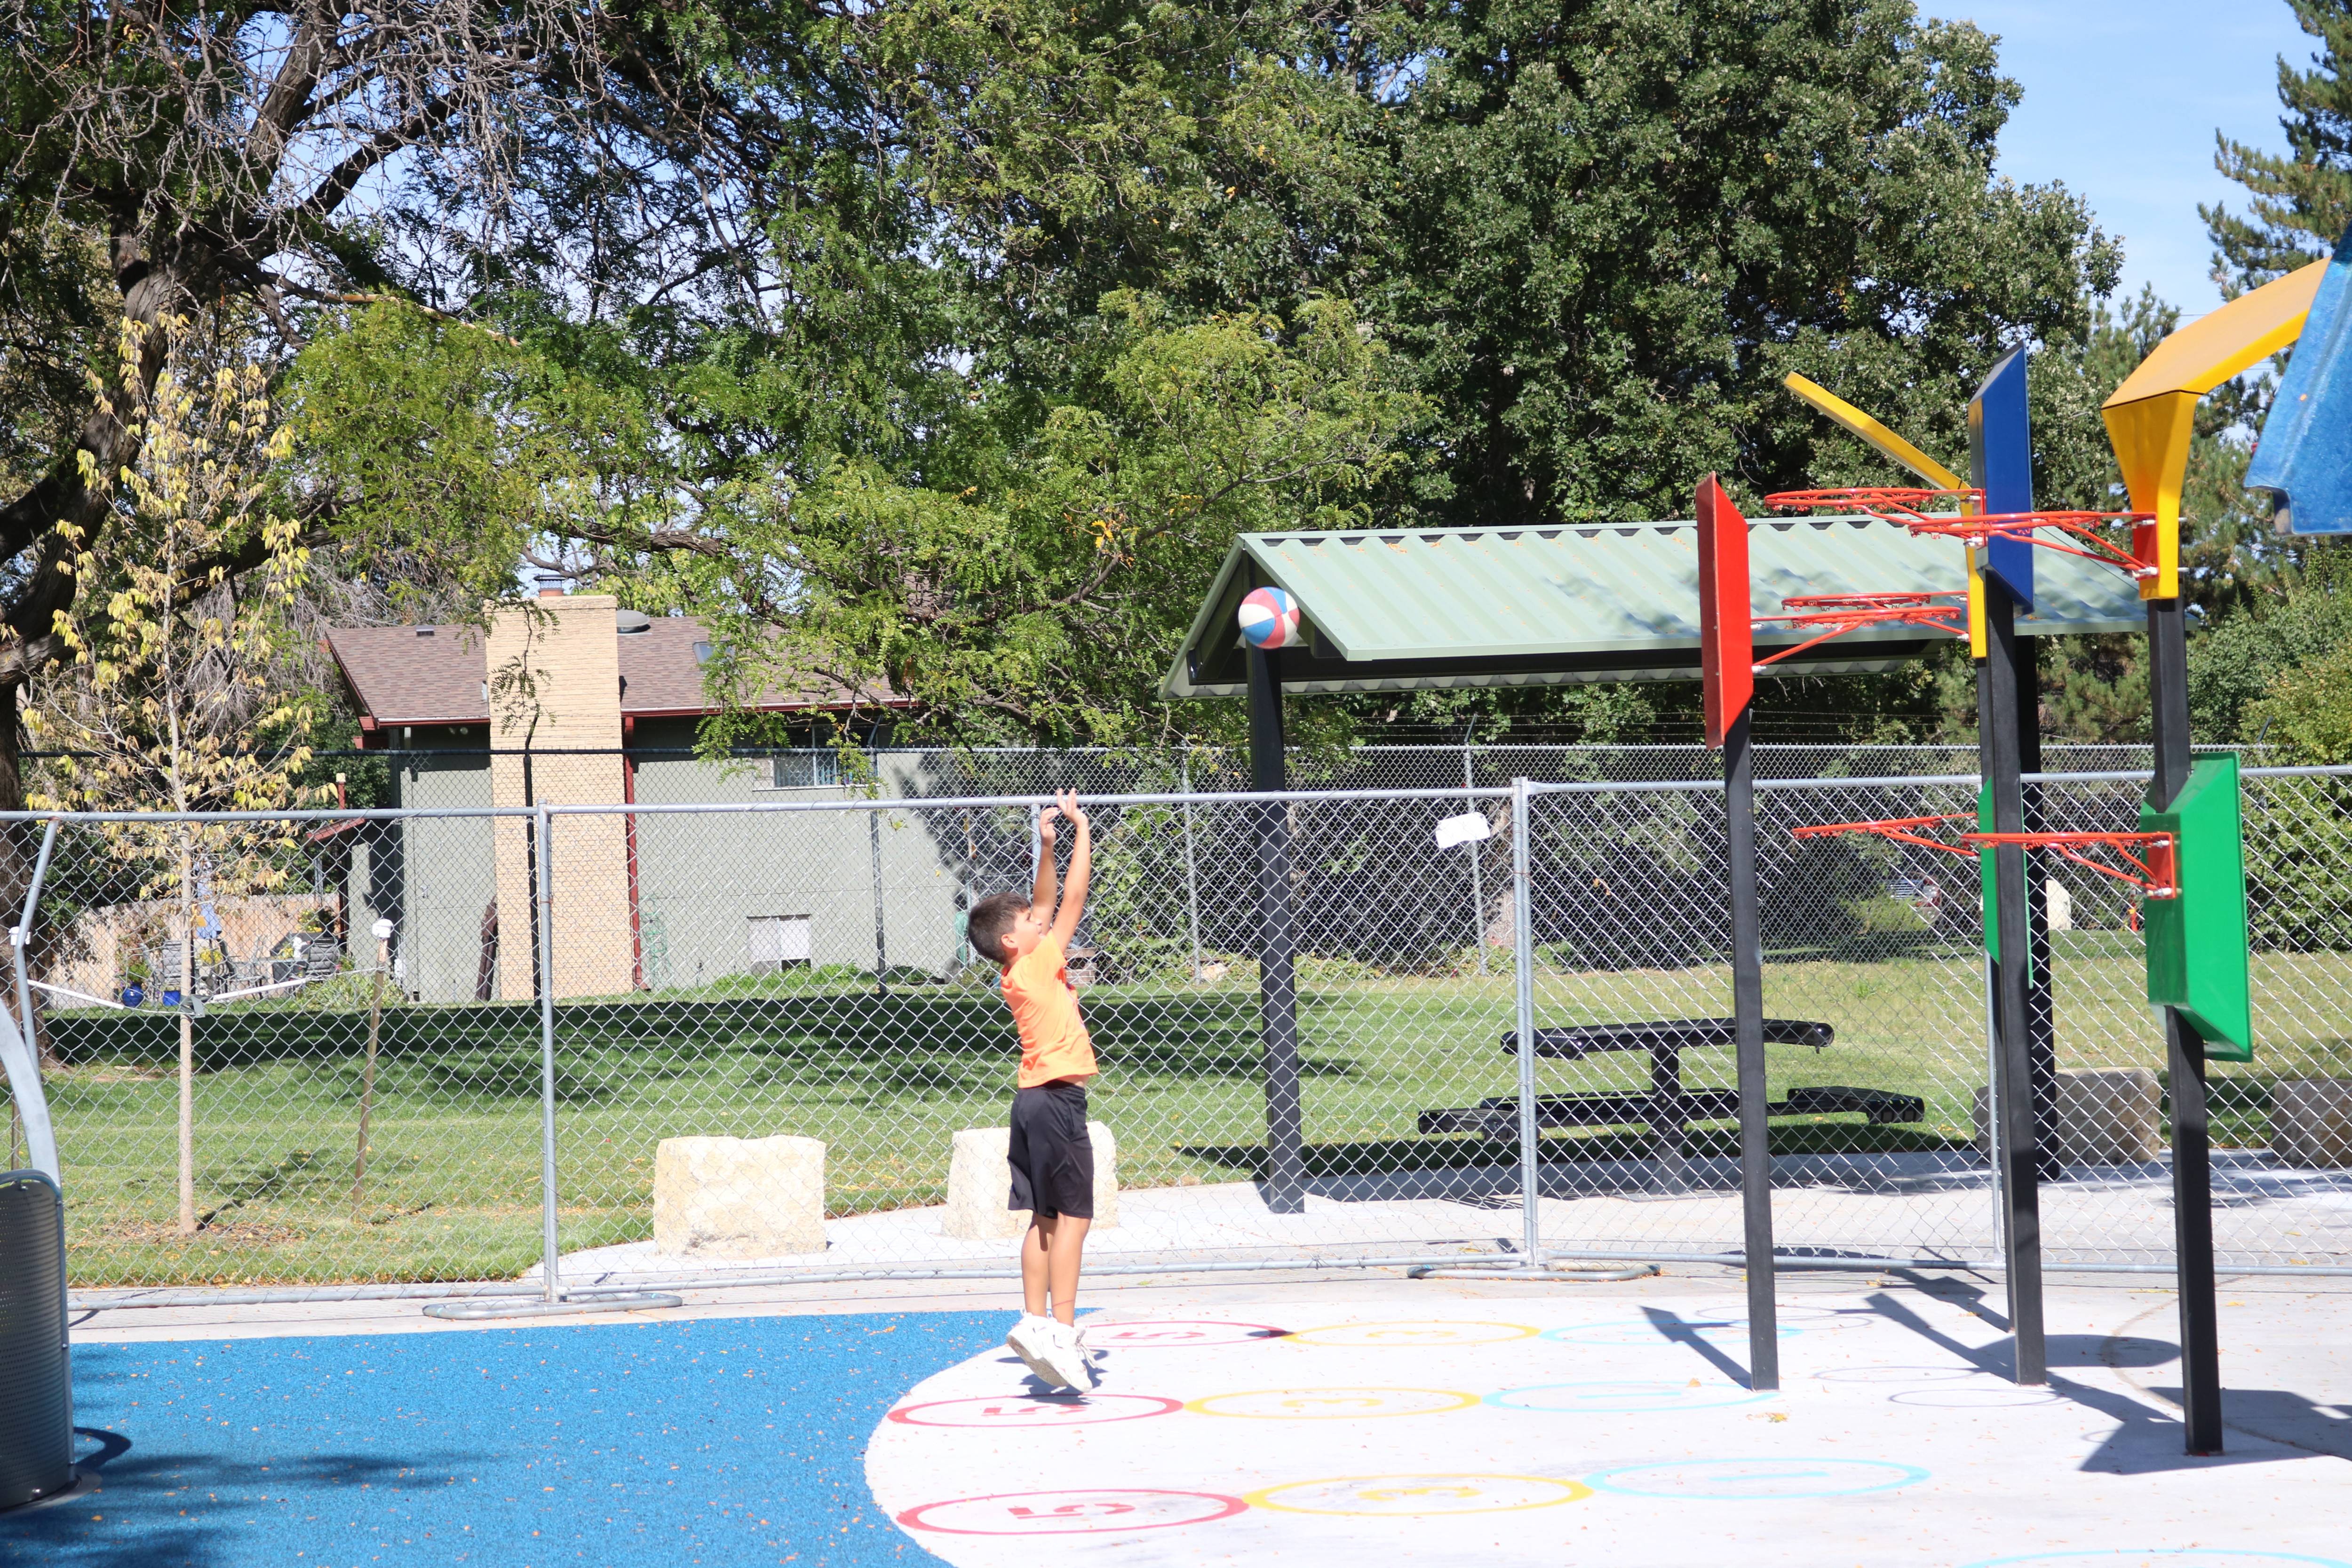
{"x":1054,"y":1039}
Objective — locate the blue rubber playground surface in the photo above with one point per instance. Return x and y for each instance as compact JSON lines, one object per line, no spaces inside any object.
{"x":737,"y":1441}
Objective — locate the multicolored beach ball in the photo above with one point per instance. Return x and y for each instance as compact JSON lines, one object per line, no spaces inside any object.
{"x":1269,"y":618}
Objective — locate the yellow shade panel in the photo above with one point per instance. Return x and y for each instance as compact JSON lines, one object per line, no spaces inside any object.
{"x":1887,"y":441}
{"x":2151,"y":418}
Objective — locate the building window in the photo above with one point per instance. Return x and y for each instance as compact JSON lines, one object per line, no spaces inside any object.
{"x":778,"y":941}
{"x":805,"y":770}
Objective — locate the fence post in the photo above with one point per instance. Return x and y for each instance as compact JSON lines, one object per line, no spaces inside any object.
{"x":32,"y":1102}
{"x":1524,"y":960}
{"x":552,"y":1285}
{"x":1192,"y":867}
{"x":1477,"y":873}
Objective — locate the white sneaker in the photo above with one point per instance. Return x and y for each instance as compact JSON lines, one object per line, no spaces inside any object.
{"x":1037,"y":1341}
{"x":1069,"y":1358}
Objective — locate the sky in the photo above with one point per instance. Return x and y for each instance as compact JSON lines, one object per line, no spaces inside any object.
{"x":2199,"y":66}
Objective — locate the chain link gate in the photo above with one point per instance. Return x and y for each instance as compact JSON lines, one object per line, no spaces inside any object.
{"x":798,"y":968}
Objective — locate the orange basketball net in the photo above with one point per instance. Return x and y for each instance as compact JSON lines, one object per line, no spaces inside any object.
{"x":1835,"y":614}
{"x":2082,"y":533}
{"x":2156,"y":873}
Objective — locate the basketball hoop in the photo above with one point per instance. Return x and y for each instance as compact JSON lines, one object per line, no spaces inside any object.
{"x":1835,"y":614}
{"x":2080,"y":533}
{"x":2156,"y":874}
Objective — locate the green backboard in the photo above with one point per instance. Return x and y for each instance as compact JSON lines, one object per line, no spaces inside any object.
{"x":2196,"y":942}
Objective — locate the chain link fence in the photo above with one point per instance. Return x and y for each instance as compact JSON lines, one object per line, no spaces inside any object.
{"x":251,"y":1089}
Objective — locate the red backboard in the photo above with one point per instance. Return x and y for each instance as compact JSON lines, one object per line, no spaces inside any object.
{"x":1727,"y":648}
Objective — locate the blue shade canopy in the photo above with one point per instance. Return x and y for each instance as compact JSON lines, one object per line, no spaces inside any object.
{"x":1403,"y":610}
{"x":2305,"y":455}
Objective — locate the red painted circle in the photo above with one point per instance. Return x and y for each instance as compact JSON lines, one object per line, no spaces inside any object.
{"x":1016,"y":1413}
{"x":1176,"y":1335}
{"x":1100,"y":1510}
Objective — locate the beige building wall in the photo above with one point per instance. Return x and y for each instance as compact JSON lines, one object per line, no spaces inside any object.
{"x":555,"y":687}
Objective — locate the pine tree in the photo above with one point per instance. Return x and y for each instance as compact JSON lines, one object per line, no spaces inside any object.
{"x":2302,"y":203}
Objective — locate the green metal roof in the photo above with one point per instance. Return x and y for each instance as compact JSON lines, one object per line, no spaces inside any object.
{"x":1446,"y":607}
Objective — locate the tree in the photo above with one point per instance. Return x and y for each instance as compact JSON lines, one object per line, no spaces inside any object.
{"x":256,"y":161}
{"x":2301,"y":204}
{"x":1616,"y":226}
{"x":167,"y":687}
{"x":1044,"y":598}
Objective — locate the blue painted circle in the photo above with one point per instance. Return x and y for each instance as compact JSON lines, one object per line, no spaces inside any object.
{"x":1644,"y":1332}
{"x":2189,"y":1556}
{"x":1752,"y":1480}
{"x":1622,"y":1398}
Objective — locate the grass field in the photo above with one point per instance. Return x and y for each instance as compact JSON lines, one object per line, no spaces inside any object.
{"x":452,"y":1188}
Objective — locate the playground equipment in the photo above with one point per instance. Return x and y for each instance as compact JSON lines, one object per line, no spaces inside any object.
{"x":36,"y":1381}
{"x":2304,"y":456}
{"x":2186,"y":854}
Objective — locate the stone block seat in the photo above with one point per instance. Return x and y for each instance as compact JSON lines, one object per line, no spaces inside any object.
{"x":980,"y":1180}
{"x":738,"y":1198}
{"x":2310,"y":1121}
{"x":2106,"y":1116}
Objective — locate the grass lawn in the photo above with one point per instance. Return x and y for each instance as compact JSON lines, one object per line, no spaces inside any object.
{"x":452,"y":1188}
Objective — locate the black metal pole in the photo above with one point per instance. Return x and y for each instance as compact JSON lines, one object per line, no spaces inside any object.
{"x":1747,"y":1016}
{"x":2192,"y":1153}
{"x":2013,"y":1099}
{"x":1285,"y":1177}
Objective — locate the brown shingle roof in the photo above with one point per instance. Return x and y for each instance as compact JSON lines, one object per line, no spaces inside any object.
{"x":436,"y":675}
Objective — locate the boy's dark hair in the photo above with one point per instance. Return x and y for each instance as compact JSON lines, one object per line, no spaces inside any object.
{"x":990,"y":919}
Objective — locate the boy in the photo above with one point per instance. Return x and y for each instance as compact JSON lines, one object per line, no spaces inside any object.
{"x":1052,"y":1160}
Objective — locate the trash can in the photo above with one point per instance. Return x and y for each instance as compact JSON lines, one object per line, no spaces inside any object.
{"x":35,"y":1387}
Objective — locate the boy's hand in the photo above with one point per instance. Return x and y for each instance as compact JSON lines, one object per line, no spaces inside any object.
{"x":1067,"y":803}
{"x":1046,"y":825}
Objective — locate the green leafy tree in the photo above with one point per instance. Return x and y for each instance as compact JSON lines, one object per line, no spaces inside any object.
{"x":1047,"y":597}
{"x":1618,"y":224}
{"x":2299,"y":204}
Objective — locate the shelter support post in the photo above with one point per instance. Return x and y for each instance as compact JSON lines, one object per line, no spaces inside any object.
{"x":1747,"y":1016}
{"x":2193,"y":1156}
{"x":2013,"y":1080}
{"x":1286,"y":1180}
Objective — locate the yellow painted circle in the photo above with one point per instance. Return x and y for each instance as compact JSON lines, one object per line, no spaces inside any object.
{"x":1410,"y":1496}
{"x":1332,"y":1403}
{"x":1432,"y":1333}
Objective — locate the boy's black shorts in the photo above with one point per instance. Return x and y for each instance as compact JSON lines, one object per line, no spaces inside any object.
{"x":1051,"y":1157}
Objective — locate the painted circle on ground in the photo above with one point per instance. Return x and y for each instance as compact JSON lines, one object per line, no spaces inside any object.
{"x":1093,"y":1510}
{"x":1332,"y":1403}
{"x":1742,"y":1481}
{"x":1900,"y":1375}
{"x":1174,"y":1333}
{"x":1418,"y":1334}
{"x":2162,"y":1556}
{"x":1624,"y":1398}
{"x":1407,"y":1496}
{"x":1035,"y":1415}
{"x":1644,"y":1332}
{"x":1992,"y":1396}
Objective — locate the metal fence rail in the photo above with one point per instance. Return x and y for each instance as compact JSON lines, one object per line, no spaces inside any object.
{"x":251,"y":1091}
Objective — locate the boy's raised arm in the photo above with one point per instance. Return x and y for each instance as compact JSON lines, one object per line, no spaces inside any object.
{"x":1040,"y":892}
{"x":1074,"y":891}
